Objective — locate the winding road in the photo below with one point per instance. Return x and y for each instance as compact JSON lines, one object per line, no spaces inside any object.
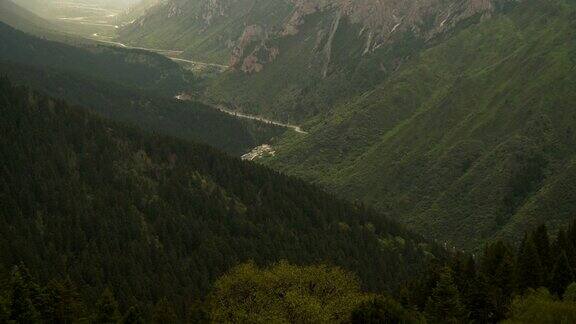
{"x":182,"y":97}
{"x":171,"y":53}
{"x":168,"y":53}
{"x":222,"y":108}
{"x":297,"y":129}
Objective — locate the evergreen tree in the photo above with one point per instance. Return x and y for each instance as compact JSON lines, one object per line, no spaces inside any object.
{"x":562,"y":275}
{"x":164,"y":313}
{"x":198,"y":312}
{"x":4,"y":309}
{"x":561,"y":244}
{"x":497,"y":269}
{"x":133,"y":316}
{"x":478,"y":301}
{"x":570,"y":293}
{"x":25,"y":297}
{"x":62,"y":304}
{"x":382,"y":310}
{"x":107,"y":308}
{"x":542,"y":242}
{"x":529,"y":272}
{"x":444,"y":306}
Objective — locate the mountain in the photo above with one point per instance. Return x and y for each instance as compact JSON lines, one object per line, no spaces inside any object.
{"x":23,"y":19}
{"x":471,"y":140}
{"x":42,"y":8}
{"x":133,"y":68}
{"x":451,"y":116}
{"x":296,"y":59}
{"x":153,"y":217}
{"x":137,"y":10}
{"x":131,"y":86}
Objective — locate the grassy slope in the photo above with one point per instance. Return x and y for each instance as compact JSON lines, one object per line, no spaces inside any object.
{"x":294,"y":88}
{"x":201,"y":41}
{"x":471,"y":140}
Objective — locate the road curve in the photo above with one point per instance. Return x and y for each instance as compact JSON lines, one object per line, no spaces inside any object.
{"x":297,"y":129}
{"x":182,"y":97}
{"x":164,"y":52}
{"x":222,"y":108}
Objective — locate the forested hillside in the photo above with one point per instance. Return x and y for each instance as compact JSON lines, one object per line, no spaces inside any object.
{"x":135,"y":87}
{"x":531,"y":283}
{"x":133,"y":68}
{"x":470,"y":140}
{"x":97,"y":204}
{"x":455,"y":117}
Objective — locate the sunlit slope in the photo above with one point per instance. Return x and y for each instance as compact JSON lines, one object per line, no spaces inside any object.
{"x":20,"y":18}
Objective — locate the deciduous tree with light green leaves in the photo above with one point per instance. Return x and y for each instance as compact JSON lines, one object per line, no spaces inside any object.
{"x":285,"y":293}
{"x":539,"y":306}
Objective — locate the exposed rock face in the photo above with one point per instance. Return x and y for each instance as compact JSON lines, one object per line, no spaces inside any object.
{"x":255,"y":23}
{"x":248,"y":61}
{"x":380,"y":21}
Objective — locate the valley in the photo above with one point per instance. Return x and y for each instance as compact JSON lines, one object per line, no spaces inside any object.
{"x":288,"y":161}
{"x":240,"y":115}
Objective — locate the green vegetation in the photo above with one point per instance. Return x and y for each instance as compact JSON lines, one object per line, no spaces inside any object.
{"x":132,"y":68}
{"x":188,"y":120}
{"x":204,"y":30}
{"x":301,"y":83}
{"x":539,"y":306}
{"x":143,"y":99}
{"x":152,"y":217}
{"x":497,"y":286}
{"x":470,"y":140}
{"x":285,"y":293}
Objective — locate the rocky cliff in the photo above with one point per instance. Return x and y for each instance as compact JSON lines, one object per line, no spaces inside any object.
{"x":243,"y":32}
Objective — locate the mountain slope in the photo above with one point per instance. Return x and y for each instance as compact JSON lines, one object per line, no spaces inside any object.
{"x":154,"y":217}
{"x":137,"y":10}
{"x":296,"y":59}
{"x":471,"y":140}
{"x":20,"y":18}
{"x":126,"y":85}
{"x":133,"y":68}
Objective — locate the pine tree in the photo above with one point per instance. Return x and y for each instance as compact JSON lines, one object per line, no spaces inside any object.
{"x":479,"y":302}
{"x":4,"y":309}
{"x":25,"y":297}
{"x":62,"y":304}
{"x":133,"y":316}
{"x":529,"y":272}
{"x":444,"y":306}
{"x":542,"y":242}
{"x":562,"y":275}
{"x":107,"y":308}
{"x":382,"y":310}
{"x":570,"y":293}
{"x":164,"y":312}
{"x":563,"y":243}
